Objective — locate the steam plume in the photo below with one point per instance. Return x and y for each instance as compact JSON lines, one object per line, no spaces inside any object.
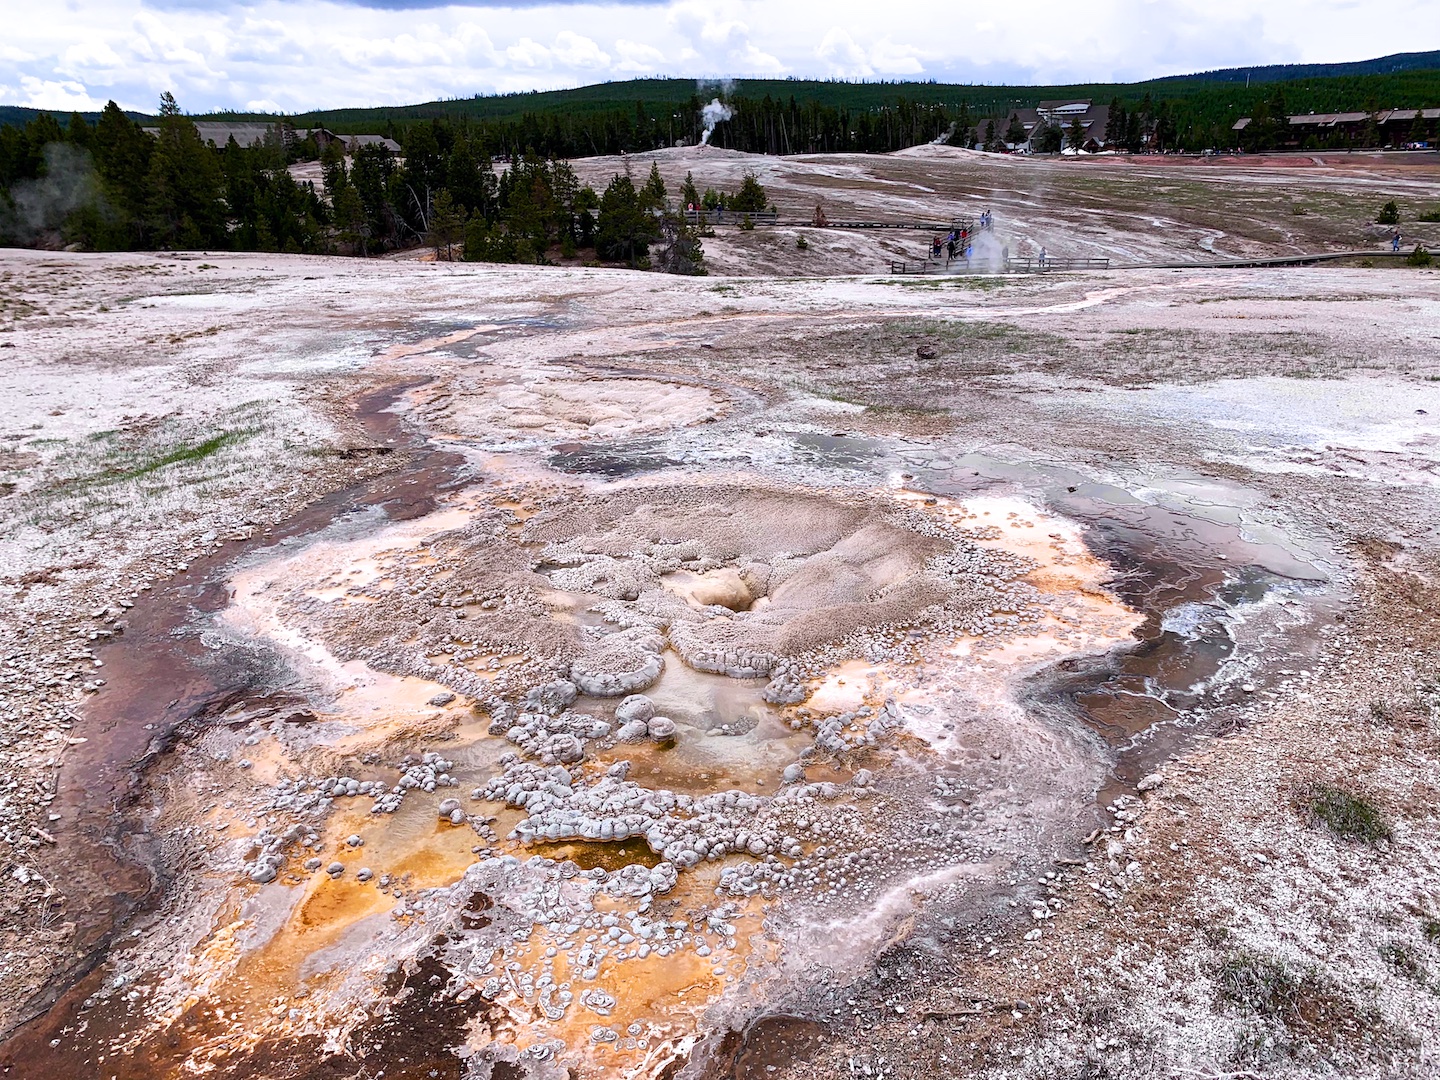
{"x":711,"y":115}
{"x":41,"y":206}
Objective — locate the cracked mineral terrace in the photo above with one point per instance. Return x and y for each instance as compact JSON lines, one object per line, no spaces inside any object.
{"x":550,"y":676}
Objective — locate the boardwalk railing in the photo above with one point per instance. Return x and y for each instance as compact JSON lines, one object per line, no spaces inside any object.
{"x":731,"y":217}
{"x":955,"y":226}
{"x":1035,"y":266}
{"x":1010,"y":266}
{"x":771,"y":217}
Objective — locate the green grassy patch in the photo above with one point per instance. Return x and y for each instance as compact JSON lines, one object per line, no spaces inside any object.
{"x":974,"y":283}
{"x":1259,"y":985}
{"x":906,"y":410}
{"x":1348,"y":816}
{"x":182,"y":454}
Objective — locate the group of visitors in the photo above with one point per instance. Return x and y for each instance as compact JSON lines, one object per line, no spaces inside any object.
{"x":958,"y":243}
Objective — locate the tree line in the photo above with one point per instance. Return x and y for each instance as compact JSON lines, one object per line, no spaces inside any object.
{"x":504,"y":183}
{"x":112,"y":185}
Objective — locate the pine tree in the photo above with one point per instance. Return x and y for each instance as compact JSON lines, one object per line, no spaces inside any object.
{"x":587,"y":203}
{"x":564,"y":192}
{"x":1115,"y":123}
{"x":681,"y":251}
{"x":750,"y":199}
{"x":1165,"y":128}
{"x":1134,"y":132}
{"x":349,"y":214}
{"x":447,"y":226}
{"x":184,"y":206}
{"x":964,"y":133}
{"x":1075,"y":137}
{"x":77,"y":132}
{"x":652,"y":195}
{"x":1418,"y":127}
{"x":1015,"y":133}
{"x":626,"y":229}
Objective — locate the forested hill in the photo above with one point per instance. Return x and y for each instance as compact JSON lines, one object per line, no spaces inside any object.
{"x":1392,"y":82}
{"x":1398,"y":81}
{"x":1382,"y":65}
{"x":19,"y":116}
{"x":784,"y":117}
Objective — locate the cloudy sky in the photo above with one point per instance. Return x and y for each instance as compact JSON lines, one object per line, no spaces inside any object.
{"x":293,"y":55}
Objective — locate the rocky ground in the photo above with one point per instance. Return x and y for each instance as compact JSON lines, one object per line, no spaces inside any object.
{"x":488,"y":672}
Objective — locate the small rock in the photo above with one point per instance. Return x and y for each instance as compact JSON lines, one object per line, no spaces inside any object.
{"x":634,"y":707}
{"x":634,"y":731}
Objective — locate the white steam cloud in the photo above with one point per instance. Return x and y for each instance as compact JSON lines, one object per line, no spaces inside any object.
{"x":41,"y":206}
{"x":711,"y":115}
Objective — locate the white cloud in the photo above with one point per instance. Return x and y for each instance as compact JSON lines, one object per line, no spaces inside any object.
{"x":91,"y":54}
{"x":477,"y":45}
{"x":888,"y":58}
{"x":636,"y":57}
{"x":55,"y":96}
{"x":755,"y":61}
{"x":403,"y":50}
{"x":842,"y":56}
{"x":528,"y":54}
{"x":721,"y":39}
{"x":572,"y":50}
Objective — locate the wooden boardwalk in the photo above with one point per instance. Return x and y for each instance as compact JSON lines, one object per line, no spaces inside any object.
{"x":1060,"y":266}
{"x":731,"y":217}
{"x":914,"y":226}
{"x":1278,"y":260}
{"x":769,"y":217}
{"x":1010,"y":266}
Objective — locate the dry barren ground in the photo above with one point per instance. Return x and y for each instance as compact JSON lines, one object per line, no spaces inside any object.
{"x":1130,"y":210}
{"x":446,"y":670}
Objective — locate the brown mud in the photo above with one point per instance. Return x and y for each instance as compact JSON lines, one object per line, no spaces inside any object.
{"x":752,"y":1053}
